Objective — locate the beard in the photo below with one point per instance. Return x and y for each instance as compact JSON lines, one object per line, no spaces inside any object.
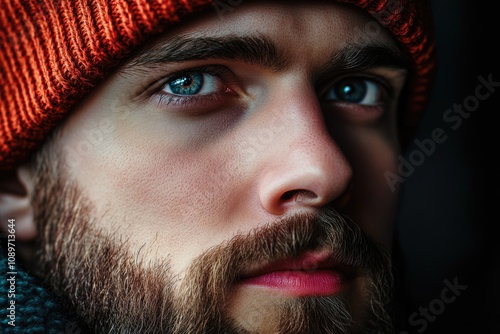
{"x":114,"y":291}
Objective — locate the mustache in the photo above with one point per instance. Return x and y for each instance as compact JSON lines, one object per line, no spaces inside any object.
{"x":220,"y":267}
{"x":290,"y":236}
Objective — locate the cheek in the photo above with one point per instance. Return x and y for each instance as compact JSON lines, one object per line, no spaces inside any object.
{"x":374,"y":200}
{"x":165,"y":199}
{"x":176,"y":197}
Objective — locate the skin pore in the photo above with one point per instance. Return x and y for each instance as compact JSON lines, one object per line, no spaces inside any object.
{"x":226,"y":146}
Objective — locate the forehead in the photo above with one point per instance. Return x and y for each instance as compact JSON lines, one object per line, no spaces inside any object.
{"x":295,"y":16}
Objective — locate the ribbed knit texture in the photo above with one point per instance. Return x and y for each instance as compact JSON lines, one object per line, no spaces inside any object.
{"x":53,"y":52}
{"x":36,"y":309}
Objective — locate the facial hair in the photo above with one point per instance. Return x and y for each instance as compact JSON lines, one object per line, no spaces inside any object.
{"x":114,"y":291}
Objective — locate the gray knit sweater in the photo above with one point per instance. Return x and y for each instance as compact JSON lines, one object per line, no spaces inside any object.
{"x":26,"y":306}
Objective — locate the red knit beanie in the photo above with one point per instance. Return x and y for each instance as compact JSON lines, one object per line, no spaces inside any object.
{"x":53,"y":52}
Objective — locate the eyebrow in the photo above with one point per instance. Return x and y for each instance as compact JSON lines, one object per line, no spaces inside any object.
{"x":262,"y":51}
{"x":250,"y":49}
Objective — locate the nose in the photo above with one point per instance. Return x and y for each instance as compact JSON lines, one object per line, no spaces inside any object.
{"x":306,"y":169}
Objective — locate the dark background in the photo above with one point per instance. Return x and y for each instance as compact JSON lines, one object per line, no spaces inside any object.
{"x":447,"y":220}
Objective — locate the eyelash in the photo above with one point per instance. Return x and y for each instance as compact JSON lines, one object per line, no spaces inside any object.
{"x":166,"y":99}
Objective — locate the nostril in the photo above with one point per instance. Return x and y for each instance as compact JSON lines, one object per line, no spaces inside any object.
{"x":287,"y":195}
{"x":300,"y":195}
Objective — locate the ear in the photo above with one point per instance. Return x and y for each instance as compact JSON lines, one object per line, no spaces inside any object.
{"x":15,"y":203}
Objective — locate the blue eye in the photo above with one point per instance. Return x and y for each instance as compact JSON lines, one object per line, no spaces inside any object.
{"x":186,"y":84}
{"x":356,"y":90}
{"x":194,"y":83}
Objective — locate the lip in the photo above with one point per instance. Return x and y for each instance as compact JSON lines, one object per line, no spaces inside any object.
{"x":313,"y":273}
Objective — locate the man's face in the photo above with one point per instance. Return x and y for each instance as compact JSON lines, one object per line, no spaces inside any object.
{"x":215,"y":161}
